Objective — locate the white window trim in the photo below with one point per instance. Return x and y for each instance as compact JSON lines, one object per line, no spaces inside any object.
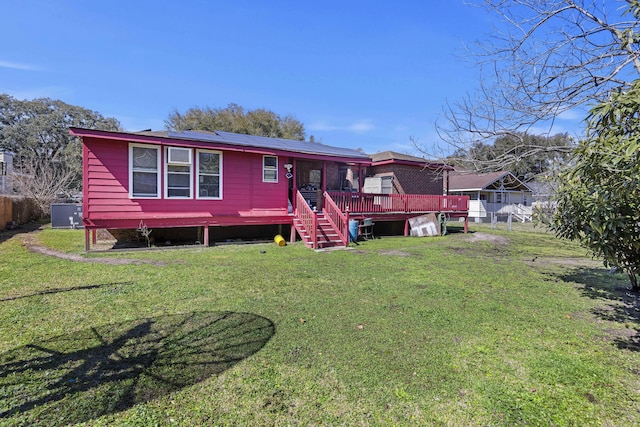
{"x":265,"y":169}
{"x":166,"y":175}
{"x":158,"y":171}
{"x":197,"y":174}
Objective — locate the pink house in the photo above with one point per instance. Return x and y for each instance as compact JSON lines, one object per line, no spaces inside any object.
{"x":219,"y":179}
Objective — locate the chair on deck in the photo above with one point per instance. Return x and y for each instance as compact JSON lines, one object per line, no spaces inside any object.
{"x":366,"y":228}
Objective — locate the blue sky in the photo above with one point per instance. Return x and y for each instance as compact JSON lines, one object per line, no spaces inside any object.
{"x":357,"y":74}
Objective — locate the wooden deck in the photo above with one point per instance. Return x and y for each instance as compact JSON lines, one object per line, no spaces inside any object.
{"x":399,"y":204}
{"x":338,"y":207}
{"x":327,"y":227}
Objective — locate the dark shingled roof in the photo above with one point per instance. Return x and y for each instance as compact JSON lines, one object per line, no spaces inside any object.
{"x":230,"y":138}
{"x":392,"y":156}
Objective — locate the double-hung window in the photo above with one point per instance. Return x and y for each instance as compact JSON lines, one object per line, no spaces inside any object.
{"x":178,"y":172}
{"x":269,"y":169}
{"x":144,"y":176}
{"x":209,"y":181}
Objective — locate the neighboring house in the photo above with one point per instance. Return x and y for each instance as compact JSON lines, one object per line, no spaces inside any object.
{"x":6,"y":169}
{"x":197,"y":179}
{"x":493,"y":194}
{"x":543,"y":193}
{"x":396,"y":173}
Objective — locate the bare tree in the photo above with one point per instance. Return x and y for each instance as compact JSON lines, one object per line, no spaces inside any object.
{"x":545,"y":58}
{"x":42,"y":181}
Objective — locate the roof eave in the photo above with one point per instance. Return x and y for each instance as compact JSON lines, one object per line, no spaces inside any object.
{"x":412,"y":163}
{"x":159,"y":139}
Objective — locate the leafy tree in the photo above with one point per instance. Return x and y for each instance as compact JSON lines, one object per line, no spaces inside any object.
{"x":543,"y":59}
{"x":529,"y":156}
{"x":234,"y":118}
{"x":599,"y":196}
{"x":47,"y":160}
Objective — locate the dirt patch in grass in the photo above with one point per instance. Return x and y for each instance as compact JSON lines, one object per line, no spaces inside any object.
{"x":485,"y":237}
{"x":30,"y":242}
{"x":395,"y":253}
{"x":360,"y":251}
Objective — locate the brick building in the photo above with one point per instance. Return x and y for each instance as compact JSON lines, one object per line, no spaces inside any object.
{"x":408,"y":174}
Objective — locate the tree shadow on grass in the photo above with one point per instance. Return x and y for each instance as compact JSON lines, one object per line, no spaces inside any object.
{"x":620,"y":304}
{"x":6,"y":234}
{"x":78,"y":377}
{"x":116,"y":285}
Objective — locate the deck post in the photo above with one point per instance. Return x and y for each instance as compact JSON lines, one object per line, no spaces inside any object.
{"x":205,"y":238}
{"x":86,"y":240}
{"x":292,"y":234}
{"x":94,"y":236}
{"x":466,"y":224}
{"x":406,"y":227}
{"x":346,"y":222}
{"x":314,"y":229}
{"x":323,"y":184}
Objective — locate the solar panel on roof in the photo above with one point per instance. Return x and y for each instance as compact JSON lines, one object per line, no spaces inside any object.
{"x":265,"y":142}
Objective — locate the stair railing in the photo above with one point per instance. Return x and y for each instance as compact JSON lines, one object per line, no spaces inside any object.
{"x":308,"y":218}
{"x":339,"y":220}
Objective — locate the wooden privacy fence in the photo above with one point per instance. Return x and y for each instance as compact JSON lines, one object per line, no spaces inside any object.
{"x":14,"y":208}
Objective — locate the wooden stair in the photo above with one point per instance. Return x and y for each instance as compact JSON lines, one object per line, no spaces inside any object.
{"x":327,"y":235}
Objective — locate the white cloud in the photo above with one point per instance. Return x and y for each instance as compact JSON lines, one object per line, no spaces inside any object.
{"x":54,"y":92}
{"x":17,"y":66}
{"x":576,"y":114}
{"x":360,"y":126}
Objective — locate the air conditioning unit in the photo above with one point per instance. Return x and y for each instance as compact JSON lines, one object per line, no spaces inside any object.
{"x":179,"y":155}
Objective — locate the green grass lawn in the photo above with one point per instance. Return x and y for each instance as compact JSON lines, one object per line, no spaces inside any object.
{"x":488,"y":328}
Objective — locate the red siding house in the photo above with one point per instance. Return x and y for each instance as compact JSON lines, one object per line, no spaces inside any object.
{"x":177,"y":179}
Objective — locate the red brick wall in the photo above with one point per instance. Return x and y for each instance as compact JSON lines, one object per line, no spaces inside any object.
{"x":411,"y":179}
{"x":303,"y":170}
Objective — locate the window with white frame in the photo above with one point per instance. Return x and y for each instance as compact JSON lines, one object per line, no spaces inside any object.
{"x":144,"y":176}
{"x":178,"y":173}
{"x":209,"y":181}
{"x":269,"y":169}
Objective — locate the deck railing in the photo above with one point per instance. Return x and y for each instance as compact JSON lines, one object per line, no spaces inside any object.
{"x":398,"y":203}
{"x":308,"y":217}
{"x":338,"y":219}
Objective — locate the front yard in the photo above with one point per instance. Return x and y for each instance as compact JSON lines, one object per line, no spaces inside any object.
{"x":488,"y":328}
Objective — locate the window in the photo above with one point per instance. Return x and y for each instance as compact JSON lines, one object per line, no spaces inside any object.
{"x":144,"y":178}
{"x":209,"y":175}
{"x":178,"y":179}
{"x":269,"y":169}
